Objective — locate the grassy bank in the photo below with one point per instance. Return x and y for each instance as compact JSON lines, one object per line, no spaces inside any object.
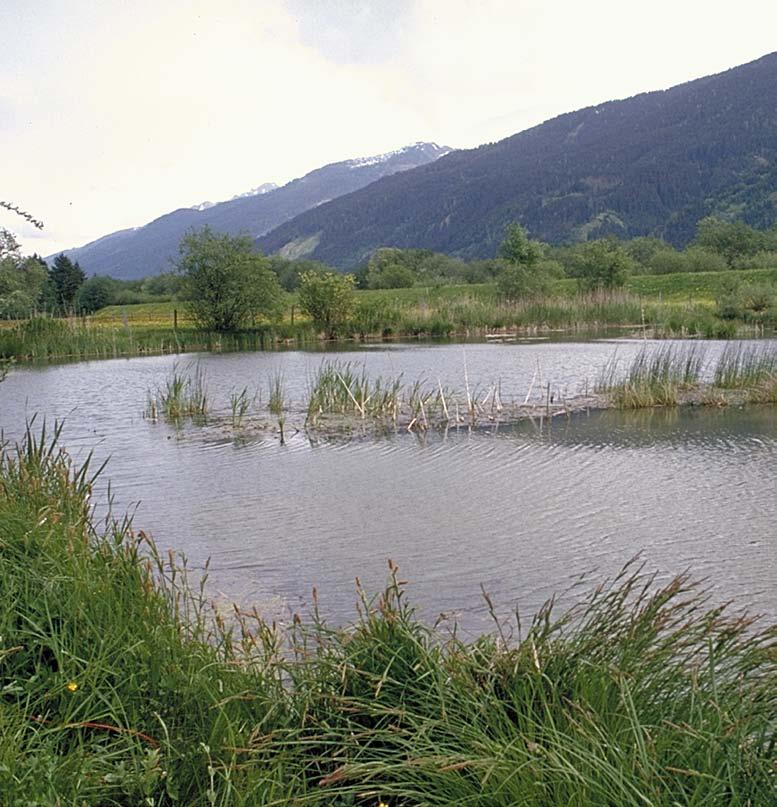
{"x":120,"y":686}
{"x":664,"y":305}
{"x":699,"y":288}
{"x":45,"y":338}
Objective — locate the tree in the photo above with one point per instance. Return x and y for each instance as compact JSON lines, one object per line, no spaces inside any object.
{"x":390,"y":276}
{"x":226,"y":283}
{"x":518,"y":249}
{"x":22,"y":280}
{"x":96,"y":293}
{"x":66,"y":278}
{"x":731,"y":239}
{"x":522,"y":274}
{"x":602,"y":264}
{"x":288,"y":272}
{"x":328,"y":299}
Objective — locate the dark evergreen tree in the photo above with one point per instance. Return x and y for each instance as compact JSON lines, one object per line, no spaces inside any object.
{"x":67,"y":278}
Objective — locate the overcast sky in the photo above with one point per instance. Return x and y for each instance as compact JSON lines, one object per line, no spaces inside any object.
{"x":113,"y":112}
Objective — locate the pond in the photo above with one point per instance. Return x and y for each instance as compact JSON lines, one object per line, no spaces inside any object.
{"x":525,"y":511}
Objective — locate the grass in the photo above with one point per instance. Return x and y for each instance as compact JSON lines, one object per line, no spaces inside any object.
{"x":671,"y":375}
{"x":668,"y":305}
{"x":346,"y":389}
{"x":45,"y":339}
{"x":121,"y":686}
{"x":184,"y":395}
{"x":341,"y":388}
{"x":656,"y":377}
{"x":239,"y":403}
{"x":752,"y":368}
{"x":277,"y":401}
{"x":702,"y":287}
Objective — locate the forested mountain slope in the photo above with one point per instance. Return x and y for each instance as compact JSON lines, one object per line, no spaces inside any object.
{"x":652,"y":164}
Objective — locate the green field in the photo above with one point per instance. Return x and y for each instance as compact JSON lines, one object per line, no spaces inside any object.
{"x":689,"y":287}
{"x":666,"y":305}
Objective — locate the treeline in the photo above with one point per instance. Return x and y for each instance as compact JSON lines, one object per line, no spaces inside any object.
{"x":28,"y":285}
{"x":523,"y":267}
{"x":719,"y":245}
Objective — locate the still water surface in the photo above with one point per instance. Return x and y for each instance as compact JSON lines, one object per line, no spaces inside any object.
{"x":524,"y":511}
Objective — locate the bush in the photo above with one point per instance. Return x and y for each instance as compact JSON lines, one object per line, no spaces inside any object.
{"x":602,"y":264}
{"x":328,"y":299}
{"x":518,"y":282}
{"x":699,"y":259}
{"x":96,"y":293}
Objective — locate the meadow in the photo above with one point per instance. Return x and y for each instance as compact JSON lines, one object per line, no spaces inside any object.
{"x":662,"y":305}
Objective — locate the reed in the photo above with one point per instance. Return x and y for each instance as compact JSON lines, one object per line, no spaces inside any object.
{"x":342,"y":388}
{"x":743,"y":366}
{"x":277,"y":400}
{"x":239,"y":403}
{"x":122,"y":685}
{"x":183,"y":395}
{"x":44,"y":338}
{"x":656,"y":377}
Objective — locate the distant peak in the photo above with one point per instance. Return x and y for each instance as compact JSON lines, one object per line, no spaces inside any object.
{"x":259,"y":190}
{"x":419,"y":147}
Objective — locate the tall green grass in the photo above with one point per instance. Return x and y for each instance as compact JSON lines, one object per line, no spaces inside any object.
{"x":752,"y":368}
{"x":46,"y":338}
{"x":343,"y":388}
{"x":183,"y":395}
{"x":656,"y":377}
{"x":416,"y":312}
{"x":122,"y":686}
{"x":240,"y":402}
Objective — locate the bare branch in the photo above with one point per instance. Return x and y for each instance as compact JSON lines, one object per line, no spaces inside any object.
{"x":23,"y":213}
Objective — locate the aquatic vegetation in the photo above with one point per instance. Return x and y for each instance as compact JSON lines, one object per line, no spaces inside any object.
{"x":745,"y":365}
{"x":750,"y":368}
{"x":277,"y":402}
{"x":343,"y":389}
{"x":656,"y":377}
{"x":674,"y":305}
{"x":239,"y":403}
{"x":122,"y":685}
{"x":183,"y":395}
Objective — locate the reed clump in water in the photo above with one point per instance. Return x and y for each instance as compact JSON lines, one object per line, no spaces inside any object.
{"x":121,"y":685}
{"x":341,"y":388}
{"x":656,"y":377}
{"x":184,"y":395}
{"x":751,"y":368}
{"x":277,"y":400}
{"x":240,"y":401}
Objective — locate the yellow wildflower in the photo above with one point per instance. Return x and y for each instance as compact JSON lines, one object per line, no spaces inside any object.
{"x":71,"y":686}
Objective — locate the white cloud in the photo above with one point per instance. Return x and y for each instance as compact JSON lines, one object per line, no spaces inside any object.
{"x":117,"y":112}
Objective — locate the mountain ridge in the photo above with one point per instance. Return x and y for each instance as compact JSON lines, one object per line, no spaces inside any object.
{"x":152,"y":248}
{"x":651,"y":164}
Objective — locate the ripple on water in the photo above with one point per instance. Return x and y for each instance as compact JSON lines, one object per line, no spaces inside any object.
{"x":524,"y":510}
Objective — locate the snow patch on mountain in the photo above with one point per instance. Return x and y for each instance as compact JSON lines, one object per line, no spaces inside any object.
{"x":429,"y":148}
{"x":259,"y":190}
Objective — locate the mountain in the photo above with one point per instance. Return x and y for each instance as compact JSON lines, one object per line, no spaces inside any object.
{"x":151,"y":249}
{"x":651,"y":164}
{"x":265,"y":187}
